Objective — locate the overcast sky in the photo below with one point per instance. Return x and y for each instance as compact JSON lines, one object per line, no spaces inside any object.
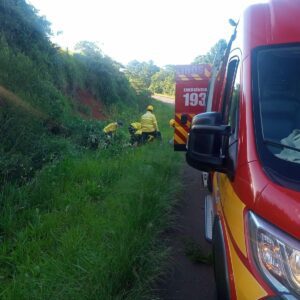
{"x":166,"y":31}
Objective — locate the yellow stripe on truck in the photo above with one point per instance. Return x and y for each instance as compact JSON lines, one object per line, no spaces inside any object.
{"x":183,"y":77}
{"x":178,"y":140}
{"x":196,"y":77}
{"x":182,"y":131}
{"x":233,"y":209}
{"x":207,"y":73}
{"x":247,"y":288}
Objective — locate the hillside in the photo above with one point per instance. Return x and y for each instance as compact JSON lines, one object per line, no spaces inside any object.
{"x":49,"y":84}
{"x":76,"y":221}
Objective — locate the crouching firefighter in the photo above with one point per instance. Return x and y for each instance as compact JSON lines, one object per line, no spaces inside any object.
{"x":135,"y":130}
{"x":110,"y":130}
{"x":149,"y":126}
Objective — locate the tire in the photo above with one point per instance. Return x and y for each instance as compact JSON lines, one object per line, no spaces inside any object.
{"x":220,"y":262}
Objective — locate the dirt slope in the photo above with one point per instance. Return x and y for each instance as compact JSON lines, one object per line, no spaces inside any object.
{"x":96,"y":107}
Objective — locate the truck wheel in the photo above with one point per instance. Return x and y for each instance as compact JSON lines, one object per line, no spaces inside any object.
{"x":220,"y":262}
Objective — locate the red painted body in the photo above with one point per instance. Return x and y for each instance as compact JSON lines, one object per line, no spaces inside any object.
{"x":264,"y":24}
{"x":273,"y":23}
{"x":184,"y":103}
{"x":190,"y":99}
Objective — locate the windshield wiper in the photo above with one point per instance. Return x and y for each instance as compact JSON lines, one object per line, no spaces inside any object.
{"x":279,"y":145}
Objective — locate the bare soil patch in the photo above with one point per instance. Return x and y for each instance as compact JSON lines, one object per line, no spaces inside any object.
{"x":96,"y":107}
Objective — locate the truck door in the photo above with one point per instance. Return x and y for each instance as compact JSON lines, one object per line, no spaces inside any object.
{"x":227,"y":205}
{"x":230,"y":116}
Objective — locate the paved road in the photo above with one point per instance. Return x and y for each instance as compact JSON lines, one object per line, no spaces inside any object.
{"x":187,"y":280}
{"x":164,"y":99}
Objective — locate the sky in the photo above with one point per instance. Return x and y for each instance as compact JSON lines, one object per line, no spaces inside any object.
{"x":165,"y":31}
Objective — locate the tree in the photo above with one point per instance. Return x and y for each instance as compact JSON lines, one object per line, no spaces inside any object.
{"x":21,"y":27}
{"x":90,"y":49}
{"x":214,"y":53}
{"x":163,"y":82}
{"x":140,"y":73}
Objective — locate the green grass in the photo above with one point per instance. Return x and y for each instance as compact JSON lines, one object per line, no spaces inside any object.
{"x":88,"y":227}
{"x":74,"y":223}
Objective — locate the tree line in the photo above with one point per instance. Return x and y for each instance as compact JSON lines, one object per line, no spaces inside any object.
{"x":148,"y":76}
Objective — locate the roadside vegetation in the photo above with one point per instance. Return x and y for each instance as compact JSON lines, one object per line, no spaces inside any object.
{"x":41,"y":111}
{"x":213,"y":56}
{"x":148,"y":76}
{"x":76,"y":222}
{"x":87,"y":227}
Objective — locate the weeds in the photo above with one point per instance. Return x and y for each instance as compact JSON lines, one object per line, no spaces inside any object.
{"x":87,"y":227}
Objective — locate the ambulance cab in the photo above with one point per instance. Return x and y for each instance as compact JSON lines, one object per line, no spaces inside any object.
{"x":251,"y":145}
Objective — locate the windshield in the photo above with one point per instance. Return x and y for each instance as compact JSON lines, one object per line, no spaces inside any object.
{"x":277,"y":107}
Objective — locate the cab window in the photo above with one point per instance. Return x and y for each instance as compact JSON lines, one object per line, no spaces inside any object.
{"x":276,"y":93}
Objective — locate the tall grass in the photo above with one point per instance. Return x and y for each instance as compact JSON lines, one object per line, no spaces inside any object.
{"x":87,"y":227}
{"x":74,"y":224}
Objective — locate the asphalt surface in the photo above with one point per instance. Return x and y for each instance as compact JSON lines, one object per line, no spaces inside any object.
{"x":164,"y":99}
{"x":187,"y":280}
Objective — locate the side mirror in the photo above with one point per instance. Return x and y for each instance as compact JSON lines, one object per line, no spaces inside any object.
{"x":208,"y":143}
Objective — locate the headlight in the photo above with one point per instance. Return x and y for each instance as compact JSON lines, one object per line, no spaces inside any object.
{"x":277,"y":256}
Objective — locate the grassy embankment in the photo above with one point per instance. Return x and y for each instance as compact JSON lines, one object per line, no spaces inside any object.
{"x":74,"y":223}
{"x":87,"y":227}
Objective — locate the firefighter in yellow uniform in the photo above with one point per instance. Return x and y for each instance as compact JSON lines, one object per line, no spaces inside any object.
{"x":149,"y":125}
{"x":111,"y":129}
{"x":135,"y":130}
{"x":172,"y":123}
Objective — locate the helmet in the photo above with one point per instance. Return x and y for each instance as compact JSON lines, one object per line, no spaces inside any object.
{"x":150,"y":107}
{"x":172,"y":122}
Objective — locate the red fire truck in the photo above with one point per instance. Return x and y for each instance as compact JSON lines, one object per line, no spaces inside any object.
{"x":190,"y":99}
{"x":250,"y":142}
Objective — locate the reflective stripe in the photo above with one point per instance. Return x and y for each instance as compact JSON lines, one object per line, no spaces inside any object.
{"x":246,"y":285}
{"x":179,"y":138}
{"x":233,"y":209}
{"x":182,"y":130}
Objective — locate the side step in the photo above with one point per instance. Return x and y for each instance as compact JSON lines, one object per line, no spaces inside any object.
{"x":209,"y":217}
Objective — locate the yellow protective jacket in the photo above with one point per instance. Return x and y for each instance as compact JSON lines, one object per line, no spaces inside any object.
{"x":112,"y":127}
{"x":148,"y":122}
{"x":138,"y":127}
